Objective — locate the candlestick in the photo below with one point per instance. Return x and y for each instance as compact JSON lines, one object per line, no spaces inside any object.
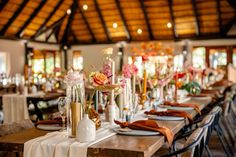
{"x":144,"y":87}
{"x":176,"y":86}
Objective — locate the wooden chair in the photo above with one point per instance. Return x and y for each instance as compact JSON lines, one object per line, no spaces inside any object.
{"x":193,"y":147}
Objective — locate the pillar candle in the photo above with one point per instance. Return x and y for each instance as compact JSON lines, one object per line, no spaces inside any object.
{"x":176,"y":87}
{"x":144,"y":86}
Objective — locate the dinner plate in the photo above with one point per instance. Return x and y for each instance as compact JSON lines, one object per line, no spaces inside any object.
{"x":179,"y":108}
{"x":169,"y":118}
{"x":135,"y":132}
{"x":52,"y":127}
{"x":200,"y":97}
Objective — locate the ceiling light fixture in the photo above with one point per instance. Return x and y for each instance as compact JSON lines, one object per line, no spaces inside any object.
{"x":68,"y":11}
{"x":169,"y":25}
{"x":139,"y":31}
{"x":114,"y":25}
{"x":85,"y":7}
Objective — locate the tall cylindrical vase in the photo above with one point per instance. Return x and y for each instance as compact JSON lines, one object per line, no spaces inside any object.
{"x":75,"y":94}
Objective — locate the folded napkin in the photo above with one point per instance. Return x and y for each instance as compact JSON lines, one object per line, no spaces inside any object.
{"x":175,"y":113}
{"x":175,"y":104}
{"x":49,"y":122}
{"x":149,"y":125}
{"x":198,"y":95}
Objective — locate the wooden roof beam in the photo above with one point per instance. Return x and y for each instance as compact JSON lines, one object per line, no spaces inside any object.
{"x":123,"y":20}
{"x":51,"y":33}
{"x":58,"y":22}
{"x":74,"y":36}
{"x":2,"y":4}
{"x":170,"y":4}
{"x":197,"y":22}
{"x":219,"y":17}
{"x":87,"y":24}
{"x":146,"y":19}
{"x":102,"y":20}
{"x":47,"y":19}
{"x":12,"y":19}
{"x":68,"y":25}
{"x":36,"y":11}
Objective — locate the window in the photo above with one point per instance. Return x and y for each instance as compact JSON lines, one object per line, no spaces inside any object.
{"x":77,"y":60}
{"x":199,"y":57}
{"x":218,"y":58}
{"x":234,"y":57}
{"x":46,"y":62}
{"x":179,"y":62}
{"x":3,"y":62}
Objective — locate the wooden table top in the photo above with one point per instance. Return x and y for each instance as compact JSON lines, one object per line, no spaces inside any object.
{"x":140,"y":146}
{"x":143,"y":146}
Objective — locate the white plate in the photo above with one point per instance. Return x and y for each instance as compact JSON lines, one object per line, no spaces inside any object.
{"x":169,"y":118}
{"x":48,"y":127}
{"x":183,"y":99}
{"x":179,"y":108}
{"x":135,"y":132}
{"x":200,"y":98}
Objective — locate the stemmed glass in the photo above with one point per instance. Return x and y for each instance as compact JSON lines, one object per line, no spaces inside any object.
{"x":62,"y":108}
{"x":102,"y":100}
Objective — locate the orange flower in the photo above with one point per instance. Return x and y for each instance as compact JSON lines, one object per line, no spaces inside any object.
{"x":100,"y":79}
{"x":179,"y":84}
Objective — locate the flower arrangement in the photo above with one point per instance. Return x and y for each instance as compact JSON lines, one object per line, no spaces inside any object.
{"x":129,"y":70}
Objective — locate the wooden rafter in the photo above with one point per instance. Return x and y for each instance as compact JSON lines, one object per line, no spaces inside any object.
{"x":219,"y":16}
{"x":102,"y":20}
{"x":2,"y":4}
{"x":36,"y":11}
{"x":146,"y":19}
{"x":197,"y":22}
{"x":51,"y":33}
{"x":170,"y":4}
{"x":47,"y":19}
{"x":86,"y":23}
{"x":12,"y":19}
{"x":68,"y":25}
{"x":123,"y":19}
{"x":55,"y":24}
{"x":74,"y":36}
{"x":229,"y":25}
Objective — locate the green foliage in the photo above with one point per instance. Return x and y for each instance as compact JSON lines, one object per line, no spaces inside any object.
{"x":192,"y":87}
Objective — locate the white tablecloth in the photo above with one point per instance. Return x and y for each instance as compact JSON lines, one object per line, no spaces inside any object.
{"x":14,"y":108}
{"x":57,"y":144}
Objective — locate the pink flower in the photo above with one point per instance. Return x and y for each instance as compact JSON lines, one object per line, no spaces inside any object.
{"x":129,"y":70}
{"x":107,"y":70}
{"x":73,"y":78}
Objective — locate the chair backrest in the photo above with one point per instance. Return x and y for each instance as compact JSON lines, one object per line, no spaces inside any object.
{"x":194,"y":144}
{"x":207,"y":125}
{"x":193,"y":147}
{"x":11,"y":128}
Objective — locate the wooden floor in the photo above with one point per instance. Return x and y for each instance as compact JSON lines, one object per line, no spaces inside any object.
{"x":216,"y":148}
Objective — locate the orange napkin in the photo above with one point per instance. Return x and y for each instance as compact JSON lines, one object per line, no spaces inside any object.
{"x":171,"y":113}
{"x":175,"y":104}
{"x":149,"y":125}
{"x":49,"y":122}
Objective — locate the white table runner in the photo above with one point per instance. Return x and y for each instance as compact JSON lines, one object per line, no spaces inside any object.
{"x":14,"y":108}
{"x":57,"y":144}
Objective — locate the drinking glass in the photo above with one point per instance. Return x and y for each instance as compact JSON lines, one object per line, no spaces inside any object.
{"x":62,"y":108}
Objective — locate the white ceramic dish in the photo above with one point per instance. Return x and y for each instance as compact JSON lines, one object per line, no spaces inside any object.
{"x":135,"y":132}
{"x":179,"y":108}
{"x":52,"y":127}
{"x":168,"y":118}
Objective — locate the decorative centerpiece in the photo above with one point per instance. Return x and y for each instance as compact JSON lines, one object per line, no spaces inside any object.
{"x":76,"y":97}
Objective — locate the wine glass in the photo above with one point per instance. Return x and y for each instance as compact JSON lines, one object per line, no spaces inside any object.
{"x":62,"y":108}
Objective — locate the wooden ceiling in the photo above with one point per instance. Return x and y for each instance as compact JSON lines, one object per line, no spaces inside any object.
{"x":108,"y":21}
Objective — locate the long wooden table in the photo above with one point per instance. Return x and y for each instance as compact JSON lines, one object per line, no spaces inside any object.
{"x":117,"y":145}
